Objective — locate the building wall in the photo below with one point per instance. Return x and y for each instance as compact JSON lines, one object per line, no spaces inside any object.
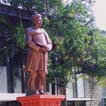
{"x":3,"y":79}
{"x":4,"y":82}
{"x":95,"y":91}
{"x":87,"y":88}
{"x":80,"y":87}
{"x":18,"y":82}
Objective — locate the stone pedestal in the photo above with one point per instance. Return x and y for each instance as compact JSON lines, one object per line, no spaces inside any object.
{"x":41,"y":100}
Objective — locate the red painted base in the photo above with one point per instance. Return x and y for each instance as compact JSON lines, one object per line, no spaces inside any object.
{"x":41,"y":100}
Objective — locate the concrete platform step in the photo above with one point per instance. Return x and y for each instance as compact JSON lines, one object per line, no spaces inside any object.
{"x":5,"y":97}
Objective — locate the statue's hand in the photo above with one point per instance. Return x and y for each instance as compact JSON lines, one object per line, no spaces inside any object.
{"x":44,"y":50}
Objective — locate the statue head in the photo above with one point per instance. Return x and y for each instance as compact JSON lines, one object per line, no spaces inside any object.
{"x":36,"y":15}
{"x":37,"y":20}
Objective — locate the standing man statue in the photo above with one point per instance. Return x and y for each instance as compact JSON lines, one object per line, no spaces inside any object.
{"x":39,"y":45}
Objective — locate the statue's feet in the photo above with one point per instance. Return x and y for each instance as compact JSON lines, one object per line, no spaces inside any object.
{"x":36,"y":92}
{"x":41,"y":92}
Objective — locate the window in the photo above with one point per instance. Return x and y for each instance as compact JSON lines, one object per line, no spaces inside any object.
{"x":104,"y":102}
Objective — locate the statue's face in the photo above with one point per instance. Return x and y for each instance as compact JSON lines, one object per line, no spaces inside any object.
{"x":37,"y":20}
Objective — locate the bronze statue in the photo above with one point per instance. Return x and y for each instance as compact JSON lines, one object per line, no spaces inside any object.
{"x":39,"y":44}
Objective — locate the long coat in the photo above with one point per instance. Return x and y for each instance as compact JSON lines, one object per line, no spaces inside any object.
{"x":37,"y":60}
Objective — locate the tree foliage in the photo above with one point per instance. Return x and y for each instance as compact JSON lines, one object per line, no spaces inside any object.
{"x":95,"y":60}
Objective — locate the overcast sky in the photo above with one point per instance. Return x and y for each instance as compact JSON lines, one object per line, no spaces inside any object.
{"x":100,"y":13}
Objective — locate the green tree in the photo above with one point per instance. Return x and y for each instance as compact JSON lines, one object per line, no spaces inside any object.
{"x":79,"y":45}
{"x":95,"y":60}
{"x":6,"y":39}
{"x":70,"y":25}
